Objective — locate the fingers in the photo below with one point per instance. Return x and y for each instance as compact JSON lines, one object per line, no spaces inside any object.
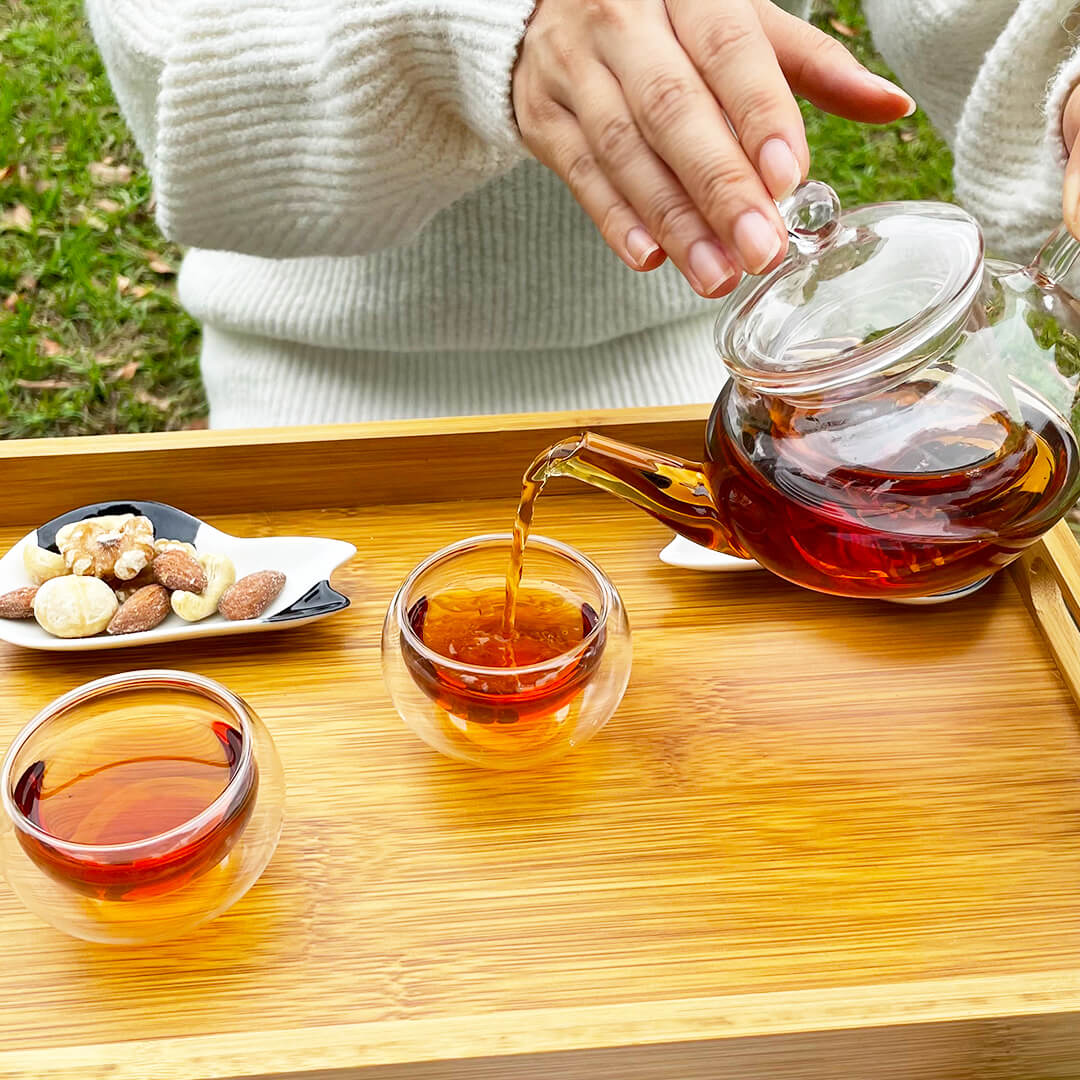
{"x":729,"y":47}
{"x":562,"y":146}
{"x":682,"y":121}
{"x":650,"y":186}
{"x":820,"y":69}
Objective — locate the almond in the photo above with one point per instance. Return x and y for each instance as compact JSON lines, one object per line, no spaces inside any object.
{"x":18,"y":604}
{"x":143,"y":610}
{"x":251,"y":595}
{"x":179,"y":572}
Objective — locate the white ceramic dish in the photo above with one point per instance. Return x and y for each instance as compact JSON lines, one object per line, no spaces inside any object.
{"x":690,"y":556}
{"x":306,"y":561}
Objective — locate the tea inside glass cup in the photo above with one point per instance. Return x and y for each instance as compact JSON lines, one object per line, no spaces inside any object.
{"x":506,"y":677}
{"x":139,"y":805}
{"x":150,"y":762}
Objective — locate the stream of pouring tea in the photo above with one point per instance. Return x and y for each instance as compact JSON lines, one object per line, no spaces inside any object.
{"x":532,"y":484}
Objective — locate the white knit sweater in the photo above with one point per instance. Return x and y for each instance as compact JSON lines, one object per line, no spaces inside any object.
{"x":369,"y":239}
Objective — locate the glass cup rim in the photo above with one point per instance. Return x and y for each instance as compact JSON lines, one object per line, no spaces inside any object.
{"x":607,"y":591}
{"x":130,"y":680}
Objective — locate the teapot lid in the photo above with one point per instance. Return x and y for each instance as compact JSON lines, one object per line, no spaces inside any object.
{"x":869,"y":294}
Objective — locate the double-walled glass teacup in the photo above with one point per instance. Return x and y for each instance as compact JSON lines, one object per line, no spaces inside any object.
{"x":507,"y":717}
{"x":139,"y":806}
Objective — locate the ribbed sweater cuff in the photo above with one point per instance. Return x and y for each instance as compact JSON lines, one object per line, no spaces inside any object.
{"x":331,"y":127}
{"x":1064,"y":82}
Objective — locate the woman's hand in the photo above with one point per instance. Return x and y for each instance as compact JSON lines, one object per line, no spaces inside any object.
{"x":674,"y":125}
{"x":1070,"y":128}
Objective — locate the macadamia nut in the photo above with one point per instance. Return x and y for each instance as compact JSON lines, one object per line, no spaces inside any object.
{"x":74,"y":607}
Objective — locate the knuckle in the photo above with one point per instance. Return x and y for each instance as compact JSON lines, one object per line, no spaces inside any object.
{"x":669,"y":211}
{"x":753,"y":104}
{"x":722,"y":35}
{"x":822,"y":54}
{"x":580,"y":171}
{"x":665,"y":97}
{"x":718,"y":182}
{"x":606,"y":13}
{"x":555,"y":48}
{"x":610,"y":219}
{"x":618,"y":136}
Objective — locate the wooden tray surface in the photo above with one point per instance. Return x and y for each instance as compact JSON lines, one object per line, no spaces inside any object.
{"x":820,"y":838}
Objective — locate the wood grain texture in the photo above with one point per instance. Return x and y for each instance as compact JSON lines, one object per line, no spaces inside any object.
{"x":208,"y":472}
{"x":820,"y":838}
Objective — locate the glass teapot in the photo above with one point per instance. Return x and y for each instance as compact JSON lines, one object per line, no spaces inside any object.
{"x":902,"y":414}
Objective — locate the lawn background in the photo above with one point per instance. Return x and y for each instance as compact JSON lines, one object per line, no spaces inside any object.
{"x":92,"y":339}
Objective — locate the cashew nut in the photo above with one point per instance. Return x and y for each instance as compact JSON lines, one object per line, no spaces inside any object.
{"x":175,"y":545}
{"x":42,"y":564}
{"x":220,"y":574}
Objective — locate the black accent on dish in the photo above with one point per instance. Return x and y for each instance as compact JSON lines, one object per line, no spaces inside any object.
{"x":169,"y":523}
{"x":320,"y":599}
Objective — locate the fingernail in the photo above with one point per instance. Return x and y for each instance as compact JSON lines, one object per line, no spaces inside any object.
{"x":757,"y":241}
{"x":640,"y":246}
{"x":779,"y":168}
{"x":890,"y":87}
{"x":709,"y":265}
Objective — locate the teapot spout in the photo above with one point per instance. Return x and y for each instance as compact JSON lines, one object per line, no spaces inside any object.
{"x":1057,"y":257}
{"x":674,"y":491}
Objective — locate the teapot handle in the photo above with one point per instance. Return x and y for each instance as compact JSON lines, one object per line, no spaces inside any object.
{"x":1057,"y":256}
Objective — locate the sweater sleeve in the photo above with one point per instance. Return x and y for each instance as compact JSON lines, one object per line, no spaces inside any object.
{"x":993,"y":76}
{"x":313,"y":127}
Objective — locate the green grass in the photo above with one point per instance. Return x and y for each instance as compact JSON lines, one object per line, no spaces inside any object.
{"x":91,"y":337}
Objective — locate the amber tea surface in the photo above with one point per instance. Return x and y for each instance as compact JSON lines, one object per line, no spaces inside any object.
{"x":127,"y":772}
{"x":467,"y":625}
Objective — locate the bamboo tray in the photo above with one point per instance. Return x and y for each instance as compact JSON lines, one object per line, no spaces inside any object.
{"x":820,"y":838}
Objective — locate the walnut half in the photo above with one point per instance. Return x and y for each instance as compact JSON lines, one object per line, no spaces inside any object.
{"x":117,"y":547}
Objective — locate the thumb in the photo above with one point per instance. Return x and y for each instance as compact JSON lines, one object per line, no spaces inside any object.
{"x":821,"y":70}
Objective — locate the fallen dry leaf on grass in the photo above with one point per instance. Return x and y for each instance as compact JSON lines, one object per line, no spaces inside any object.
{"x":127,"y":372}
{"x":144,"y":397}
{"x":95,"y":223}
{"x":109,"y":206}
{"x":141,"y":291}
{"x":18,"y":217}
{"x":907,"y":136}
{"x":11,"y":301}
{"x":103,"y":173}
{"x":6,"y":172}
{"x":48,"y":347}
{"x":160,"y":266}
{"x":122,"y":284}
{"x":44,"y":384}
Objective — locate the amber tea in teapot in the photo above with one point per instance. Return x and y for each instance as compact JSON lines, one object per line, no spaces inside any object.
{"x":900,"y":417}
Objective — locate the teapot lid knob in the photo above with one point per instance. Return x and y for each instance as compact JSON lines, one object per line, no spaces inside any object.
{"x":812,"y":216}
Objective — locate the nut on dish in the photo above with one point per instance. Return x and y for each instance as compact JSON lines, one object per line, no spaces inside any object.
{"x":42,"y":564}
{"x":73,"y":607}
{"x":107,"y":546}
{"x":19,"y":603}
{"x":143,"y":610}
{"x":220,"y":574}
{"x":251,"y":595}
